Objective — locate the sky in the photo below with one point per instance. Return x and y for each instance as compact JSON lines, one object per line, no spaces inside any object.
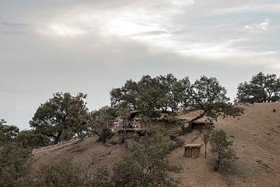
{"x":93,"y":46}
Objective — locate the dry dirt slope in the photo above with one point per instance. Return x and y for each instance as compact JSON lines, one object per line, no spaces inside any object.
{"x":256,"y":137}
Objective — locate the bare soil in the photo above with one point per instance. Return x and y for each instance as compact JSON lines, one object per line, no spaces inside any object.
{"x":255,"y":136}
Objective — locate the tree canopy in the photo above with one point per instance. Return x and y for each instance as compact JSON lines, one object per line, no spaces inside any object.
{"x":7,"y":132}
{"x":261,"y":88}
{"x":13,"y":165}
{"x":62,"y":117}
{"x":13,"y":157}
{"x":207,"y":95}
{"x":167,"y":93}
{"x":30,"y":139}
{"x":150,"y":95}
{"x":100,"y":119}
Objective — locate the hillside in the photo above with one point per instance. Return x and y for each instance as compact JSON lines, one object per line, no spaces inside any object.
{"x":255,"y":136}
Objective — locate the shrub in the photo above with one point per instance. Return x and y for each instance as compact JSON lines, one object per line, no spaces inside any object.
{"x":62,"y":173}
{"x":145,"y":165}
{"x":220,"y":145}
{"x":29,"y":139}
{"x":13,"y":165}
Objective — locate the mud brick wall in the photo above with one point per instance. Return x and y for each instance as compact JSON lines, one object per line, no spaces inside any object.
{"x":192,"y":152}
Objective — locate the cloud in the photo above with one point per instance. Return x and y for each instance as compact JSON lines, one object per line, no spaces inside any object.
{"x":160,"y":26}
{"x":182,"y":27}
{"x":8,"y":27}
{"x":264,"y":26}
{"x":222,"y":7}
{"x":10,"y":24}
{"x":66,"y":31}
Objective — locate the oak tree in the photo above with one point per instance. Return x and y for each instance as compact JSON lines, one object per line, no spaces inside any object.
{"x":62,"y":116}
{"x":208,"y":96}
{"x":100,"y":121}
{"x":262,"y":88}
{"x":150,"y":95}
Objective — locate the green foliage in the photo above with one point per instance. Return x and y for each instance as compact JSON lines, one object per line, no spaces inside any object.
{"x":103,"y":117}
{"x":126,"y":97}
{"x":166,"y":93}
{"x":7,"y":133}
{"x":220,"y":145}
{"x":29,"y":139}
{"x":123,"y":113}
{"x":262,"y":88}
{"x":13,"y":165}
{"x":153,"y":130}
{"x":62,"y":116}
{"x":145,"y":165}
{"x":208,"y":95}
{"x":150,"y":95}
{"x":145,"y":120}
{"x":100,"y":121}
{"x":62,"y":173}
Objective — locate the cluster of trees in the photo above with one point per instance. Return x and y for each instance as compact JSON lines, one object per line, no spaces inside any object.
{"x":14,"y":154}
{"x":10,"y":134}
{"x":166,"y":93}
{"x":260,"y":89}
{"x":61,"y":118}
{"x":150,"y":94}
{"x":64,"y":116}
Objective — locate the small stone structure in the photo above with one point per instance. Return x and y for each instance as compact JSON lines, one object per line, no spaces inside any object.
{"x":192,"y":150}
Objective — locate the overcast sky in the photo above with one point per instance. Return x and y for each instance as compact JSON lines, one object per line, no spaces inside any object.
{"x":92,"y":46}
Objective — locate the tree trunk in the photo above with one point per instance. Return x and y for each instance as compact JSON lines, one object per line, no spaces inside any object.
{"x":190,"y":126}
{"x":56,"y":140}
{"x":205,"y":150}
{"x":216,"y":168}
